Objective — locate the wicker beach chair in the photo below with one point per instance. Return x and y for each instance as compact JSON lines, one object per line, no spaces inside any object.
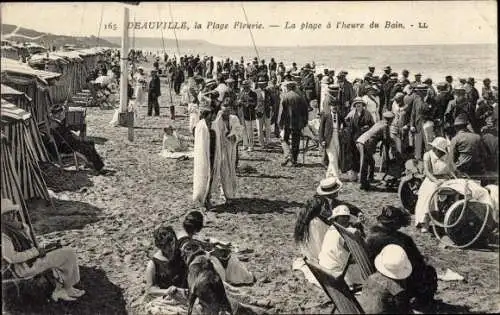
{"x":337,"y":290}
{"x":357,"y":248}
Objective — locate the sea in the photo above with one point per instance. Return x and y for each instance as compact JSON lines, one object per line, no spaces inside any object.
{"x":434,"y":61}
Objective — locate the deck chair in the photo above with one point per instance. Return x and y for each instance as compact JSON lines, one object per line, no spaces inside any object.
{"x":337,"y":290}
{"x":9,"y":276}
{"x":357,"y":248}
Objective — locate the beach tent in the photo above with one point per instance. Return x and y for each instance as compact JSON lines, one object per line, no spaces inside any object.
{"x":9,"y":52}
{"x":74,"y":67}
{"x":21,"y":176}
{"x":23,"y":101}
{"x":34,"y":83}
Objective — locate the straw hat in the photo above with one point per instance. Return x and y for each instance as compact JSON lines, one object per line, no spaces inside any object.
{"x":393,"y":262}
{"x":338,"y":211}
{"x":210,"y":82}
{"x":8,"y":206}
{"x":440,"y":143}
{"x":388,"y":115}
{"x":329,"y":186}
{"x":358,"y":100}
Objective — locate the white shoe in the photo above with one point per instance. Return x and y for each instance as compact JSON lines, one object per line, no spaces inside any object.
{"x":74,"y":292}
{"x":61,"y":294}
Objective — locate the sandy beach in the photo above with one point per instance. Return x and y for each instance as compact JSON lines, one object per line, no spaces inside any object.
{"x":109,"y":219}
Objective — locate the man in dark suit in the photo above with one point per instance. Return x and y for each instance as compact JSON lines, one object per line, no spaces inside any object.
{"x":294,"y":117}
{"x":346,"y":93}
{"x":153,"y":94}
{"x":329,"y":132}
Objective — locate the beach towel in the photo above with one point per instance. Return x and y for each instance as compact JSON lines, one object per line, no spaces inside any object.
{"x":201,"y":171}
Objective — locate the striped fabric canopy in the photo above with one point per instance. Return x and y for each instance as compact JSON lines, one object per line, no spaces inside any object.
{"x":13,"y":66}
{"x":19,"y":153}
{"x":10,"y":111}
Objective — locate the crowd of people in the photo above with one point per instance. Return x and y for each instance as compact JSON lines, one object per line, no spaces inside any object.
{"x":388,"y":114}
{"x":451,"y":129}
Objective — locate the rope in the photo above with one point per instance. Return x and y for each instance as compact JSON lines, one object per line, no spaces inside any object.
{"x":175,"y":33}
{"x":83,"y":15}
{"x":100,"y":25}
{"x":250,"y":30}
{"x":164,"y":51}
{"x":161,"y":30}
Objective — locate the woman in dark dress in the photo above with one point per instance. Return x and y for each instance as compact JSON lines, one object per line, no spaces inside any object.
{"x":166,"y":283}
{"x":357,"y":122}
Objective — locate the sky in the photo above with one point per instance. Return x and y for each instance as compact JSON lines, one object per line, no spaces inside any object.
{"x":448,"y":22}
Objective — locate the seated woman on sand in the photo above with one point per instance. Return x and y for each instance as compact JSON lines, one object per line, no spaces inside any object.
{"x":334,"y":254}
{"x":438,"y":167}
{"x":28,"y":260}
{"x":175,"y":145}
{"x":313,"y":223}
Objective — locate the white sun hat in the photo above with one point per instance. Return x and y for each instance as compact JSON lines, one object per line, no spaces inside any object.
{"x":440,"y":143}
{"x":341,"y":210}
{"x":393,"y":262}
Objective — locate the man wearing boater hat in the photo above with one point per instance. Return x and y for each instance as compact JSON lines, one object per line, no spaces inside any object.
{"x":247,"y":101}
{"x":292,"y":119}
{"x":367,"y":145}
{"x":263,"y":114}
{"x":330,"y":126}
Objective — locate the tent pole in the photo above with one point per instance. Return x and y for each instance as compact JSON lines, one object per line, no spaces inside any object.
{"x":124,"y":64}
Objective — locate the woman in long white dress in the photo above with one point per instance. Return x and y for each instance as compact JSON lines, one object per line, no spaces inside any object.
{"x":140,"y":87}
{"x":438,"y":167}
{"x":372,"y":101}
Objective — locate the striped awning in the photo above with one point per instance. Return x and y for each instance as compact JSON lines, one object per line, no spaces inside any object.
{"x":8,"y":91}
{"x":10,"y":112}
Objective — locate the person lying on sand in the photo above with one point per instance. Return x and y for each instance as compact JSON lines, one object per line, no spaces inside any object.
{"x":231,"y":269}
{"x":166,"y":278}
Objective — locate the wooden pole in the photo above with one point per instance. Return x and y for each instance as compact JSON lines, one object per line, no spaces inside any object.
{"x":124,"y":64}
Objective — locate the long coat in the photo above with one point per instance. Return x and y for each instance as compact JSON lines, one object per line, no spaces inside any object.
{"x":295,"y":111}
